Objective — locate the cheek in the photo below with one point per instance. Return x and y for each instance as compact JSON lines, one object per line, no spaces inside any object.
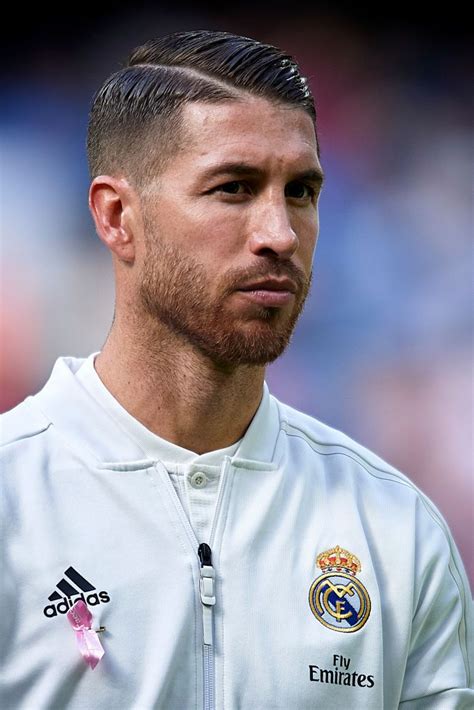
{"x":219,"y":236}
{"x":208,"y":231}
{"x":307,"y":231}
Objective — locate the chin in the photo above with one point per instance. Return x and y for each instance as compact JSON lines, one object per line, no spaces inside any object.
{"x":257,"y":349}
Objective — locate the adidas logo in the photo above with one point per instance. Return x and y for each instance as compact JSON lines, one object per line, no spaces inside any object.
{"x":73,"y":586}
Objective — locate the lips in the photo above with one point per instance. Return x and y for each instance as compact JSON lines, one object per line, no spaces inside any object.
{"x":271,"y":292}
{"x":271,"y":285}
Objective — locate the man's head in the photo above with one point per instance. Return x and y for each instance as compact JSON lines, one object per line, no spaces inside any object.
{"x":206,"y":174}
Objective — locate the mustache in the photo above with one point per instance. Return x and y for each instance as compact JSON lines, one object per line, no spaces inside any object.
{"x":267,"y":271}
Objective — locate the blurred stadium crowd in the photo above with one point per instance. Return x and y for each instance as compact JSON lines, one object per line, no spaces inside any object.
{"x":384,"y":348}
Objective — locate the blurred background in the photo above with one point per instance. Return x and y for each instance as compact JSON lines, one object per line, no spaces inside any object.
{"x":384,"y":348}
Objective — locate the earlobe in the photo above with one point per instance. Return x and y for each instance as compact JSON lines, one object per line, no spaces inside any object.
{"x":111,"y":207}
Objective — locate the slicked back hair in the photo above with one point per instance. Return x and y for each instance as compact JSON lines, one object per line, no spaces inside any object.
{"x":134,"y":124}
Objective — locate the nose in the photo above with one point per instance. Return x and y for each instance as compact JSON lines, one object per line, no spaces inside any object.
{"x":271,"y":229}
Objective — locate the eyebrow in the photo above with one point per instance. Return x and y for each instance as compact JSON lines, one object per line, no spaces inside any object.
{"x":314,"y":175}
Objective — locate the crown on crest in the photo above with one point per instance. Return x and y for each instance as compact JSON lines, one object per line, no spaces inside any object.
{"x":337,"y":559}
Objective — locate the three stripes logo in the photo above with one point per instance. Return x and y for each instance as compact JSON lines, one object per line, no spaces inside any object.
{"x":73,"y":586}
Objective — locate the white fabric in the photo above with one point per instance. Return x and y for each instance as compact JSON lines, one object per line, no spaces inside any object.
{"x":80,"y":492}
{"x":198,"y":501}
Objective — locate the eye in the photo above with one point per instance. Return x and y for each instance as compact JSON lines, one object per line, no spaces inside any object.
{"x":232,"y":188}
{"x":300,"y":191}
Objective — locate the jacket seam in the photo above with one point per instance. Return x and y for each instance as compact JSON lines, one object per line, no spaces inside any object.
{"x":26,"y":435}
{"x":430,"y":695}
{"x":280,"y":429}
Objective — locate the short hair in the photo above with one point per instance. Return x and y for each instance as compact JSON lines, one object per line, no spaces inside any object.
{"x":146,"y":96}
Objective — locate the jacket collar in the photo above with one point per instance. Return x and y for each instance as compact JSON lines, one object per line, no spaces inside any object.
{"x":93,"y":433}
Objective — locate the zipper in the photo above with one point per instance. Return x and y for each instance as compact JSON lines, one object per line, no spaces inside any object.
{"x":206,"y":580}
{"x":208,"y":678}
{"x":208,"y":599}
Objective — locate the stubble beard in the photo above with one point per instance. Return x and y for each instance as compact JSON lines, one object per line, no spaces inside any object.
{"x":175,"y":291}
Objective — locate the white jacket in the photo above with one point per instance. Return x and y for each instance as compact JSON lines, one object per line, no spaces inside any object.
{"x":334,"y":583}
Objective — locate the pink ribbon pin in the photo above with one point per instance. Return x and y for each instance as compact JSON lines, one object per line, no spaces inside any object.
{"x":90,"y":647}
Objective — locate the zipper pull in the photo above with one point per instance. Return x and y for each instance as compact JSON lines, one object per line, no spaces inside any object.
{"x":207,"y":589}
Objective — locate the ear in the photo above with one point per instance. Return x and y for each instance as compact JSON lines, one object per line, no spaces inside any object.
{"x":114,"y":207}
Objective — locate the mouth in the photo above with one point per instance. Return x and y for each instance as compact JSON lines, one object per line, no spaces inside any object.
{"x":267,"y":297}
{"x":270,"y":292}
{"x":271,"y":284}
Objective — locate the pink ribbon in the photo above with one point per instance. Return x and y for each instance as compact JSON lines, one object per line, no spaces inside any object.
{"x":90,"y":647}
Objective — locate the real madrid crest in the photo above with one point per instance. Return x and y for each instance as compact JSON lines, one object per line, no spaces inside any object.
{"x":337,"y":598}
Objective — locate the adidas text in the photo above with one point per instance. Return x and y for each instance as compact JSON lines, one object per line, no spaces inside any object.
{"x":66,"y":603}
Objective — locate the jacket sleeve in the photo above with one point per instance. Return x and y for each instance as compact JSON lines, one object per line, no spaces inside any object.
{"x":439,"y":666}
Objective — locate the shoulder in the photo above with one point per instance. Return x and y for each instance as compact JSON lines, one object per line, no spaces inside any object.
{"x":359,"y":469}
{"x":23,"y":451}
{"x":25,"y":426}
{"x":21,"y":424}
{"x":324,"y":440}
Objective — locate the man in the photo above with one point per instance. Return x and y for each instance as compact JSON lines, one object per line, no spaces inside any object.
{"x":223,"y":549}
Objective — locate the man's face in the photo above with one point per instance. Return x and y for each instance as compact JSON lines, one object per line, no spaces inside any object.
{"x":236,"y":206}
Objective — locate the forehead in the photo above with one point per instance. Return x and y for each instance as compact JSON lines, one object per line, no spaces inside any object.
{"x":252,"y":130}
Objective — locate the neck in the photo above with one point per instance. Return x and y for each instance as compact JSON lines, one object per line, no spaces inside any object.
{"x":176,"y":392}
